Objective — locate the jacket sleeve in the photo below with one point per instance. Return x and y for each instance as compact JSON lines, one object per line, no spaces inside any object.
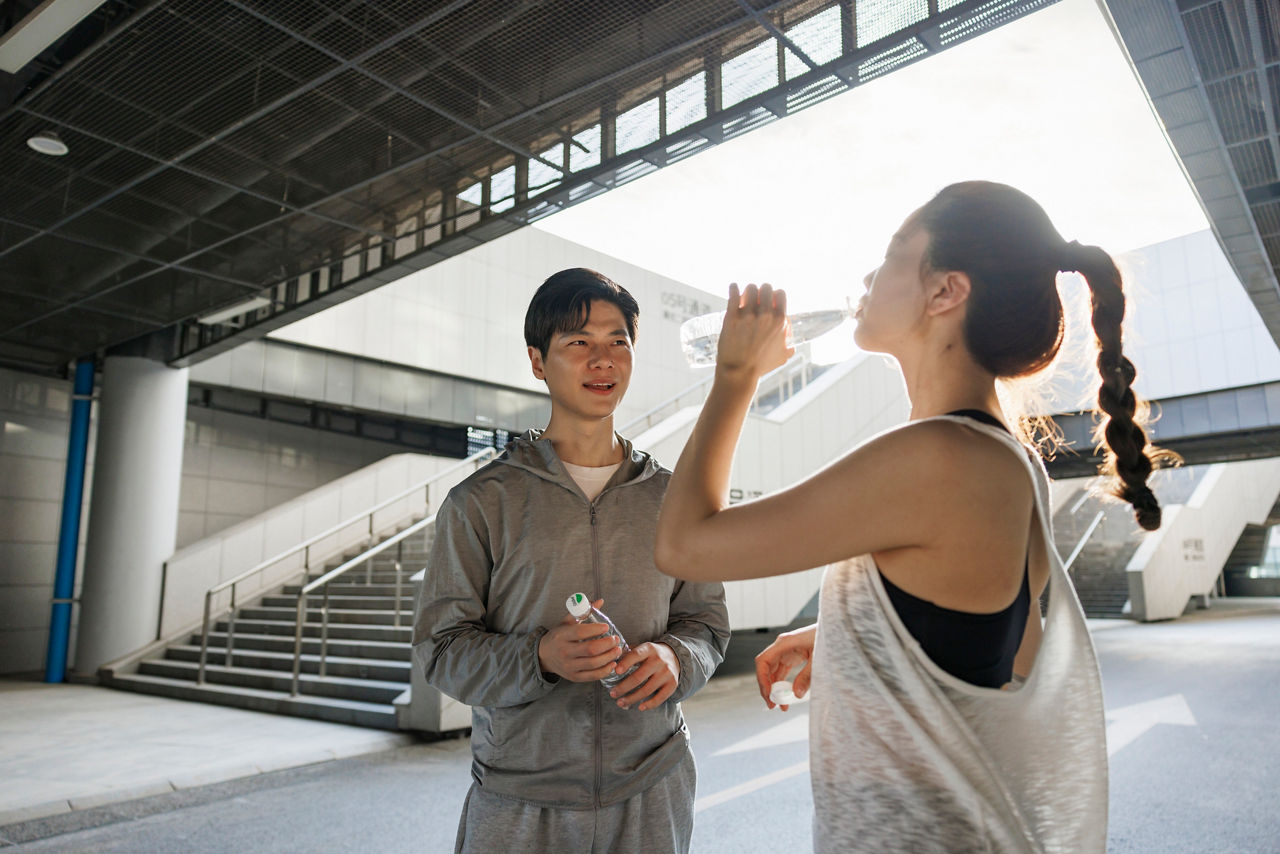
{"x":698,"y":631}
{"x":451,"y":641}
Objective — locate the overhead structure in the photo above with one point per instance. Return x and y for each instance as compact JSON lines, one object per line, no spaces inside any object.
{"x":1211,"y":70}
{"x":235,"y":165}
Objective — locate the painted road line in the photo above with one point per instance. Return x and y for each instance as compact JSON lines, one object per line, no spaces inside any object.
{"x":794,"y":728}
{"x":751,"y":786}
{"x":1129,"y":723}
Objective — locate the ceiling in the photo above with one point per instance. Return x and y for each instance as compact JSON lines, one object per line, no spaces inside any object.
{"x":1211,"y":71}
{"x":235,"y":165}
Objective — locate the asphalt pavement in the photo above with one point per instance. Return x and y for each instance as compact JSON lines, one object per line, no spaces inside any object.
{"x":1192,"y":728}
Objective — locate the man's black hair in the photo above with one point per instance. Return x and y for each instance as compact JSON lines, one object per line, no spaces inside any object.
{"x":563,"y":302}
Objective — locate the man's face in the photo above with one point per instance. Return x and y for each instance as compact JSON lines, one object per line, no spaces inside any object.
{"x":587,"y":370}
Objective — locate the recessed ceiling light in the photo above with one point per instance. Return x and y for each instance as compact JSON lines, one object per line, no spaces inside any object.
{"x":48,"y":142}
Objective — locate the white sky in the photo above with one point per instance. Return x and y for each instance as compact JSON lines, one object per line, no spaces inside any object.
{"x":1047,"y":103}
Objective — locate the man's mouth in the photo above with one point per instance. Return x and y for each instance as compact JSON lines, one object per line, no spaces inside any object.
{"x":602,"y":387}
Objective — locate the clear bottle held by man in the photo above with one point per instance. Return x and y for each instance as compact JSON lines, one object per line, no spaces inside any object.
{"x":580,"y":609}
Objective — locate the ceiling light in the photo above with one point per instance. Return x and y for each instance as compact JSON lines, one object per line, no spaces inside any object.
{"x":48,"y":142}
{"x":252,"y":304}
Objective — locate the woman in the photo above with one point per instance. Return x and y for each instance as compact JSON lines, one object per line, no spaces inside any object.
{"x":946,"y":715}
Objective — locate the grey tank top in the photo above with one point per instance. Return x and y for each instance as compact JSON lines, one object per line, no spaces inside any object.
{"x":906,"y":757}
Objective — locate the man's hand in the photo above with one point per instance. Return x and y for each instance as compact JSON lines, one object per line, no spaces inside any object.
{"x":655,"y":678}
{"x":577,"y":651}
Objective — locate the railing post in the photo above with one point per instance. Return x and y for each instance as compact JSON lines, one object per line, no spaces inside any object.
{"x":204,"y":637}
{"x":324,"y":629}
{"x":297,"y":641}
{"x":306,"y":562}
{"x":399,"y":560}
{"x":231,"y":629}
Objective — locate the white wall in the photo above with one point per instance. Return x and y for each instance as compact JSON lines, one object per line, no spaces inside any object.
{"x":465,"y":316}
{"x":235,"y":467}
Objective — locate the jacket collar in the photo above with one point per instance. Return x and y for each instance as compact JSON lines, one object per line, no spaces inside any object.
{"x":534,"y":453}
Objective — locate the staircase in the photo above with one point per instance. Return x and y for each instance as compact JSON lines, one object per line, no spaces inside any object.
{"x":367,"y":655}
{"x":1099,"y":571}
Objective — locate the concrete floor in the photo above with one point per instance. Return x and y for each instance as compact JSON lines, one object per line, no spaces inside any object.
{"x":1192,"y":725}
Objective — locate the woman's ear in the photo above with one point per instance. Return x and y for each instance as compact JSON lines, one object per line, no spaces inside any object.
{"x":950,"y":290}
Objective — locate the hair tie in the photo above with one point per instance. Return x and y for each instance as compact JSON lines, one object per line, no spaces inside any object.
{"x":1068,"y":257}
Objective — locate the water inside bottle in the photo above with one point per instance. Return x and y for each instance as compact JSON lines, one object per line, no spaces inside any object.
{"x":699,"y":336}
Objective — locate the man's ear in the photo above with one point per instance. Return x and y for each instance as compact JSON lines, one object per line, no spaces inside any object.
{"x":950,"y":290}
{"x":535,"y":361}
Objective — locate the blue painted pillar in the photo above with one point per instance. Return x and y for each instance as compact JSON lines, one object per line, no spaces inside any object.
{"x":64,"y":580}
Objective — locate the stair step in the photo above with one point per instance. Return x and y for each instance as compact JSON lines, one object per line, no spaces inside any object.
{"x":261,"y":659}
{"x":347,"y":616}
{"x":357,"y":576}
{"x":343,"y":603}
{"x":378,"y":650}
{"x":364,"y":690}
{"x":344,"y":588}
{"x":332,"y":709}
{"x":346,"y":631}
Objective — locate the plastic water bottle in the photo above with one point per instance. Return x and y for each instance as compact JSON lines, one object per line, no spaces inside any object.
{"x":580,"y":609}
{"x":699,"y":336}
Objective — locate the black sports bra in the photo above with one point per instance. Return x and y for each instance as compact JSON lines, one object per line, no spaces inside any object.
{"x":977,"y":648}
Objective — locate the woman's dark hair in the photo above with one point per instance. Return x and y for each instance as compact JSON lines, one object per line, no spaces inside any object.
{"x":1013,"y":327}
{"x":563,"y":302}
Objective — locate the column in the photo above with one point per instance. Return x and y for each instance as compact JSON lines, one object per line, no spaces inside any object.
{"x":133,"y":512}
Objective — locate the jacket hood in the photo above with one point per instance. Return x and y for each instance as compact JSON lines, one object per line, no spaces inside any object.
{"x":534,"y":453}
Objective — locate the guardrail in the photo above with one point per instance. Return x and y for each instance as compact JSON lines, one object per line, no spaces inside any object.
{"x":366,"y":557}
{"x":1093,"y":526}
{"x":305,"y":548}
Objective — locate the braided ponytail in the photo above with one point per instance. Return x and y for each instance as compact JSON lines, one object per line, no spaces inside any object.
{"x":1129,"y":458}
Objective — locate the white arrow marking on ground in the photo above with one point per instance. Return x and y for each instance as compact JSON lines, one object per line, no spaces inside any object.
{"x":751,"y":786}
{"x":795,"y":728}
{"x":1129,"y":723}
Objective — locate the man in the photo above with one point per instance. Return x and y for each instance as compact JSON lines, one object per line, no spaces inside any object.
{"x":559,"y":761}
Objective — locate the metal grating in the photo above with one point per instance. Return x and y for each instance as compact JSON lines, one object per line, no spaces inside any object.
{"x":284,"y":155}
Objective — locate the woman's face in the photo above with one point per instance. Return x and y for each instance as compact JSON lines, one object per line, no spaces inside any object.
{"x":893,"y":308}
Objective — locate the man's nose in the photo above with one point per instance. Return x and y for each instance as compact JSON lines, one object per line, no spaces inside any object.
{"x":600,"y":355}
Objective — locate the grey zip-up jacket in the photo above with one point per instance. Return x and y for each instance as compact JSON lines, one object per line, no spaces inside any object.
{"x":512,"y":542}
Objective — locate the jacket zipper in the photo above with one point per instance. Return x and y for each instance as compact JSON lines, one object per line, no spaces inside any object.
{"x":596,"y":693}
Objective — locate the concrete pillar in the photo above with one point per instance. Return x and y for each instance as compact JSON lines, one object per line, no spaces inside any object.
{"x":133,"y":511}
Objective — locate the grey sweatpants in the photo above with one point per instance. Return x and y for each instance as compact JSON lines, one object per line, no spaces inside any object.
{"x":656,"y":821}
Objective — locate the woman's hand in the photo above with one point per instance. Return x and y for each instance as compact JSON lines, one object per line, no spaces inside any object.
{"x":753,"y":340}
{"x":789,"y":651}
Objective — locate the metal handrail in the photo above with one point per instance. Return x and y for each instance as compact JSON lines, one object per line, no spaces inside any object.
{"x":305,"y":547}
{"x":676,"y":398}
{"x":1075,"y":553}
{"x":366,"y":557}
{"x":796,"y":362}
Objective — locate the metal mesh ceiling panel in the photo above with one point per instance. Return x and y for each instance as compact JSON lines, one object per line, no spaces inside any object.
{"x":284,"y":155}
{"x":1212,"y":71}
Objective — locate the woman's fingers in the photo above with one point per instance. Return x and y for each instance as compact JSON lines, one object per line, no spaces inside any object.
{"x":800,"y":686}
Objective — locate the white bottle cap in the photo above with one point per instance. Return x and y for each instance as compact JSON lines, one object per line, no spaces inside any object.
{"x":781,"y":694}
{"x":578,"y":604}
